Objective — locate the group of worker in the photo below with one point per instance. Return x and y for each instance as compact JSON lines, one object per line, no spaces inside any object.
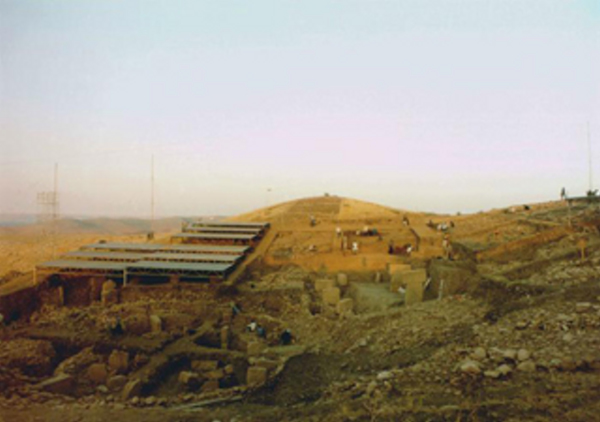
{"x":447,"y":247}
{"x":285,"y":338}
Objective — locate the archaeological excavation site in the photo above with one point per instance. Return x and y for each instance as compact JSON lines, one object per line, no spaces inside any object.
{"x":320,"y":309}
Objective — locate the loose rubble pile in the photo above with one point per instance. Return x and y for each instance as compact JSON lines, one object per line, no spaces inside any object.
{"x":508,"y":340}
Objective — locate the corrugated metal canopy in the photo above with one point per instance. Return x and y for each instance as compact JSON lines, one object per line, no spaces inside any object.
{"x":83,"y":265}
{"x":240,"y":236}
{"x":211,"y":229}
{"x":102,"y":255}
{"x":125,"y":246}
{"x":154,"y":247}
{"x":164,"y":256}
{"x":179,"y":266}
{"x":229,"y":224}
{"x":234,"y":249}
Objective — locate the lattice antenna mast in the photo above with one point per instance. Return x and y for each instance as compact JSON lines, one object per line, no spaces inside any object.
{"x":152,"y":195}
{"x":589,"y":139}
{"x":48,"y":214}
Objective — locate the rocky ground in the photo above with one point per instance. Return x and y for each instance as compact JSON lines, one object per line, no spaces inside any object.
{"x":519,"y":341}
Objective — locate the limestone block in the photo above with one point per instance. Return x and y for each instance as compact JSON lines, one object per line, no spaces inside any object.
{"x":396,"y":282}
{"x":210,"y":385}
{"x":110,"y":294}
{"x":225,"y":337}
{"x":118,"y":361}
{"x":132,"y":389}
{"x":414,"y":281}
{"x":116,"y":383}
{"x":331,"y":296}
{"x":255,"y":348}
{"x":215,"y":375}
{"x":269,"y":364}
{"x":342,"y":280}
{"x":59,"y":384}
{"x":97,"y":373}
{"x":188,"y":378}
{"x":324,"y":283}
{"x":205,"y":365}
{"x":156,"y":325}
{"x":345,"y":306}
{"x":256,"y":376}
{"x":398,"y":268}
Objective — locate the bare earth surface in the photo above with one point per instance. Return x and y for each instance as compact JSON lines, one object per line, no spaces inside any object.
{"x":509,"y":329}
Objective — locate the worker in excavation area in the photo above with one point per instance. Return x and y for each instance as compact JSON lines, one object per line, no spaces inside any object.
{"x":286,"y":337}
{"x":391,"y":247}
{"x":446,"y":246}
{"x":354,"y":248}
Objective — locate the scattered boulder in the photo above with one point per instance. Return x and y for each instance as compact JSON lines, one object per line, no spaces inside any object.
{"x":521,"y":325}
{"x":118,"y":361}
{"x":523,"y":355}
{"x":205,"y":365}
{"x":132,"y":389}
{"x":479,"y":354}
{"x":385,"y":375}
{"x":210,"y":385}
{"x":504,"y":370}
{"x":256,"y":376}
{"x":78,"y":363}
{"x":97,"y":373}
{"x":215,"y":375}
{"x":510,"y":355}
{"x":116,"y":382}
{"x":342,"y":280}
{"x":470,"y":367}
{"x":568,"y":364}
{"x":32,"y":357}
{"x":582,"y":307}
{"x":188,"y":378}
{"x":494,"y":374}
{"x":58,"y":384}
{"x":569,"y":337}
{"x":526,"y":366}
{"x":345,"y":306}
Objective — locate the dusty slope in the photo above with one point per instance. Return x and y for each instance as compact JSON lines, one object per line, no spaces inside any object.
{"x":21,"y":247}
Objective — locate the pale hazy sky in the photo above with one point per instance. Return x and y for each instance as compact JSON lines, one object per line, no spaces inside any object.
{"x":424,"y":105}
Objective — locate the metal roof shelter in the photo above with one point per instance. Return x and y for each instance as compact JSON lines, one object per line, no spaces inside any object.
{"x":218,"y":237}
{"x":198,"y":270}
{"x":263,"y":225}
{"x":123,"y":247}
{"x":225,"y":236}
{"x":106,"y":256}
{"x":151,"y":256}
{"x":153,"y":247}
{"x":233,"y":230}
{"x":65,"y":266}
{"x":193,"y":257}
{"x":183,"y":269}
